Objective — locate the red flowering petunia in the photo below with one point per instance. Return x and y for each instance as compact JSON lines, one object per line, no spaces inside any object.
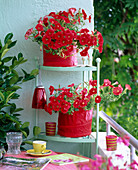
{"x":76,"y":103}
{"x":92,"y":91}
{"x":58,"y":35}
{"x":49,"y":32}
{"x":85,"y":51}
{"x":117,"y":90}
{"x":84,"y":14}
{"x":51,"y":89}
{"x":84,"y":30}
{"x":97,"y":99}
{"x":83,"y":103}
{"x":53,"y":99}
{"x":90,"y":18}
{"x":64,"y":109}
{"x":46,"y":39}
{"x":29,"y":32}
{"x":57,"y":106}
{"x":69,"y":94}
{"x":60,"y":97}
{"x":93,"y":82}
{"x":72,"y":11}
{"x":39,"y":27}
{"x":48,"y":108}
{"x":71,"y":85}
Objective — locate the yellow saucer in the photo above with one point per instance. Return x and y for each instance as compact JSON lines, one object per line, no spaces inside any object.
{"x":31,"y":152}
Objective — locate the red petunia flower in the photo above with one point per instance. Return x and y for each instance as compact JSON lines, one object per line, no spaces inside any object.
{"x":71,"y":85}
{"x":51,"y":89}
{"x":64,"y":109}
{"x":90,"y":18}
{"x":29,"y":32}
{"x":46,"y":39}
{"x":117,"y":90}
{"x":39,"y":27}
{"x":53,"y":99}
{"x":49,"y":32}
{"x":72,"y":11}
{"x":92,"y":91}
{"x":57,"y":106}
{"x":84,"y":14}
{"x":83,"y":103}
{"x":76,"y":103}
{"x":93,"y":82}
{"x":84,"y":30}
{"x":97,"y":99}
{"x":85,"y":51}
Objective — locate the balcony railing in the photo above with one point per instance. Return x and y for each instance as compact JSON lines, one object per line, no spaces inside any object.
{"x":121,"y":131}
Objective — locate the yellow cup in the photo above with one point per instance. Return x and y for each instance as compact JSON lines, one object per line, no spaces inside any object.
{"x":39,"y":146}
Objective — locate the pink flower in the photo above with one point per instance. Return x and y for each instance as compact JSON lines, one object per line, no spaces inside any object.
{"x":107,"y":82}
{"x":124,"y":139}
{"x":119,"y":156}
{"x":127,"y":86}
{"x":116,"y":60}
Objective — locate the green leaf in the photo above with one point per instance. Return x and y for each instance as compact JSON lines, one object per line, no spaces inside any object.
{"x":8,"y":36}
{"x":16,"y":87}
{"x":20,"y":55}
{"x":7,"y":59}
{"x":12,"y":44}
{"x":26,"y":124}
{"x":13,"y":80}
{"x":19,"y":109}
{"x":2,"y":96}
{"x":34,"y":72}
{"x":36,"y":130}
{"x":24,"y":133}
{"x":9,"y":97}
{"x":4,"y":52}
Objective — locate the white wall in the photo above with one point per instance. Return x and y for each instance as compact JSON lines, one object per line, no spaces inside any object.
{"x":17,"y":16}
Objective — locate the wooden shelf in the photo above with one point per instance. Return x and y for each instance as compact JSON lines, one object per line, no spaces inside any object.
{"x":57,"y":138}
{"x":75,"y":68}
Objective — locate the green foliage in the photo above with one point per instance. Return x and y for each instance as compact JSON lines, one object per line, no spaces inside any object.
{"x":118,"y":23}
{"x":10,"y":82}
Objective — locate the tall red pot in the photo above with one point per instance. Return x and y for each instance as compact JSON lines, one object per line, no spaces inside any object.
{"x":56,"y":61}
{"x":76,"y":125}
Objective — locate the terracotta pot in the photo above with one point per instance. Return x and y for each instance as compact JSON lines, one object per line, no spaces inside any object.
{"x":56,"y":61}
{"x":76,"y":125}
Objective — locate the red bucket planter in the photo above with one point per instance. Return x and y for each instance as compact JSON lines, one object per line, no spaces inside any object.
{"x":76,"y":125}
{"x":56,"y":61}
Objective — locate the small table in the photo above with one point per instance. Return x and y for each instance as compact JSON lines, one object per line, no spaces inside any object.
{"x":73,"y":166}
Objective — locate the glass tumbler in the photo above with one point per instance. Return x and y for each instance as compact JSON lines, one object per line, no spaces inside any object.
{"x":14,"y":140}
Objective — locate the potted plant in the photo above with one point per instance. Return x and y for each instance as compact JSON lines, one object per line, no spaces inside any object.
{"x":75,"y":105}
{"x":62,"y":35}
{"x":10,"y":81}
